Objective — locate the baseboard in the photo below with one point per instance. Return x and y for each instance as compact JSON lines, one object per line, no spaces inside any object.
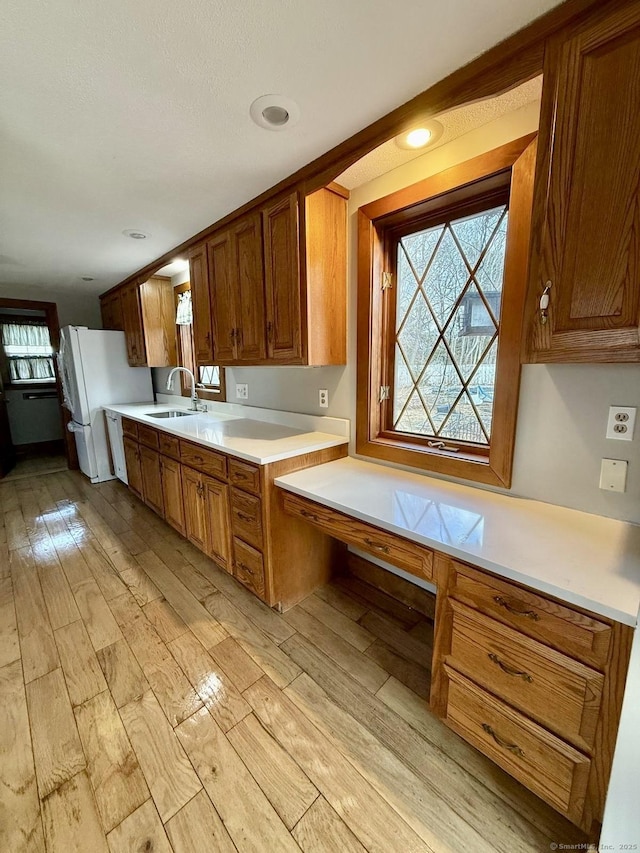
{"x":40,"y":447}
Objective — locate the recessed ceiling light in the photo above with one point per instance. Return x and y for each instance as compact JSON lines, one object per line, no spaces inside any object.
{"x":419,"y":137}
{"x":87,"y":278}
{"x":135,"y":235}
{"x":274,"y":112}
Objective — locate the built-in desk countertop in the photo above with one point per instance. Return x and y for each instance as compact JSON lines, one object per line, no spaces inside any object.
{"x":586,"y":560}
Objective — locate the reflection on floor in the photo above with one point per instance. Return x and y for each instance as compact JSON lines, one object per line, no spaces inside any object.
{"x":149,"y":702}
{"x":36,"y":464}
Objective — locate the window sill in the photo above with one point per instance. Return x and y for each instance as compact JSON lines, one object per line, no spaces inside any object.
{"x":465,"y":466}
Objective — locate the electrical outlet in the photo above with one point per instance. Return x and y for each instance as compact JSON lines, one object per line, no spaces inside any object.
{"x":242,"y":391}
{"x":621,"y":421}
{"x":323,"y":398}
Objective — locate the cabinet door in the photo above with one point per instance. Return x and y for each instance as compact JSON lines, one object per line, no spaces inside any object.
{"x":134,"y":470}
{"x":151,"y":479}
{"x":222,"y":297}
{"x":587,"y":217}
{"x":195,"y":521}
{"x":218,"y":522}
{"x":282,"y":279}
{"x":111,"y":310}
{"x":172,"y":493}
{"x":249,"y":290}
{"x":132,"y":321}
{"x":159,"y":322}
{"x":199,"y":280}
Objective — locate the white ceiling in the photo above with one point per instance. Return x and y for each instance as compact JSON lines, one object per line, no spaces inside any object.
{"x":123,"y":114}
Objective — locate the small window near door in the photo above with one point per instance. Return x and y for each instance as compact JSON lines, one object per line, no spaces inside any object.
{"x":27,"y":351}
{"x":210,"y":378}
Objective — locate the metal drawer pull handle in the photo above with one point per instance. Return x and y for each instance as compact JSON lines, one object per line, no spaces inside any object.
{"x":246,"y":568}
{"x":244,"y":517}
{"x":376,"y":546}
{"x":308,"y":514}
{"x":529,"y":614}
{"x":512,"y":747}
{"x":509,"y":670}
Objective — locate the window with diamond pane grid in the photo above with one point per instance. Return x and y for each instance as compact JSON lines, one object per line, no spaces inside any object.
{"x":210,"y":375}
{"x":449,"y":287}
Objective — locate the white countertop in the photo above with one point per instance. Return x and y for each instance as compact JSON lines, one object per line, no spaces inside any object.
{"x":250,"y":438}
{"x":586,"y":560}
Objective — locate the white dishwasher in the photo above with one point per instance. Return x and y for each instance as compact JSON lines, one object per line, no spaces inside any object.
{"x":114,"y":427}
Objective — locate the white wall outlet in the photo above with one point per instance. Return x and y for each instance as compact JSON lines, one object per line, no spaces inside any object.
{"x":323,"y":398}
{"x":242,"y":391}
{"x":621,"y":422}
{"x":613,"y":475}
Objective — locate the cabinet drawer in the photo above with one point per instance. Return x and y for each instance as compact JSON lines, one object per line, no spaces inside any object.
{"x":246,"y":517}
{"x":149,"y":436}
{"x":555,"y":690}
{"x":207,"y":461}
{"x":244,"y":476}
{"x":129,"y":428}
{"x":169,"y":445}
{"x":248,"y":567}
{"x":543,"y":619}
{"x":393,"y":549}
{"x":545,"y":764}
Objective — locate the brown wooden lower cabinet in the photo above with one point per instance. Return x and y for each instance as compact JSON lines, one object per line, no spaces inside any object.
{"x":218,"y":533}
{"x":195,"y":519}
{"x":134,"y":469}
{"x":172,"y":493}
{"x":244,"y":526}
{"x":534,"y":683}
{"x":151,"y":479}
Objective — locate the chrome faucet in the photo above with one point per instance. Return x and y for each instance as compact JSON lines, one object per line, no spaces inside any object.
{"x":195,"y":404}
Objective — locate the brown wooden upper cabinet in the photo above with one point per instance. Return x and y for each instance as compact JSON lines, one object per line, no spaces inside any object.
{"x":146,"y":313}
{"x":586,"y":220}
{"x":111,"y":310}
{"x":199,"y":279}
{"x":305,"y":259}
{"x":237,"y":292}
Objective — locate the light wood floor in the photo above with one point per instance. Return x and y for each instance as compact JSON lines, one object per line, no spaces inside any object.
{"x":149,"y":703}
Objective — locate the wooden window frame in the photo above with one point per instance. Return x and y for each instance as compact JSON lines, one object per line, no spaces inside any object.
{"x":206,"y":393}
{"x":516,"y":160}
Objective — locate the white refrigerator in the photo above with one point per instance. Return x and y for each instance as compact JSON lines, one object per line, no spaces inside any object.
{"x":95,"y":372}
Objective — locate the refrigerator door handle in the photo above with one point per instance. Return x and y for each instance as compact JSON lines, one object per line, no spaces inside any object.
{"x":67,"y":394}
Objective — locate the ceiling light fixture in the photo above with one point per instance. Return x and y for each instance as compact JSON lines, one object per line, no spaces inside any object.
{"x":135,"y":234}
{"x":274,"y":112}
{"x":420,"y":137}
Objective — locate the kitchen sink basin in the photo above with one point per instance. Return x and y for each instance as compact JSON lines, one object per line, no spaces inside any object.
{"x":170,"y":414}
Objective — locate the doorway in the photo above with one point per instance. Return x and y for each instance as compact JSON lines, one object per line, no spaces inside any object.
{"x":33,"y":434}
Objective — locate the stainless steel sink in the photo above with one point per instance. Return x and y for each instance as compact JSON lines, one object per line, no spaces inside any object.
{"x":170,"y":414}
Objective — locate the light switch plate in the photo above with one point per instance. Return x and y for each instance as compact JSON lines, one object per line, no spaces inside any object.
{"x":621,"y":422}
{"x":613,"y":475}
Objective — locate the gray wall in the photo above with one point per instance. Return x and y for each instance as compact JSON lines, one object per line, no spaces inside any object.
{"x":75,"y":307}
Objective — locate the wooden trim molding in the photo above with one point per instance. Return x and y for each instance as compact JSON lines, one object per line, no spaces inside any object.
{"x":371,"y":439}
{"x":508,"y":64}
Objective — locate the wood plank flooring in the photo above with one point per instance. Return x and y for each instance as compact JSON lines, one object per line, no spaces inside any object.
{"x":149,"y":702}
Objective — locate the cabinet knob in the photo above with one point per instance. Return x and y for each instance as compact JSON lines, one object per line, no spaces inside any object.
{"x":270,"y":330}
{"x":544,"y":303}
{"x":207,"y":338}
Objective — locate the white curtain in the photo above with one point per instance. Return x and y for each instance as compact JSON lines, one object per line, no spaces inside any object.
{"x":29,"y":353}
{"x":184,"y":313}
